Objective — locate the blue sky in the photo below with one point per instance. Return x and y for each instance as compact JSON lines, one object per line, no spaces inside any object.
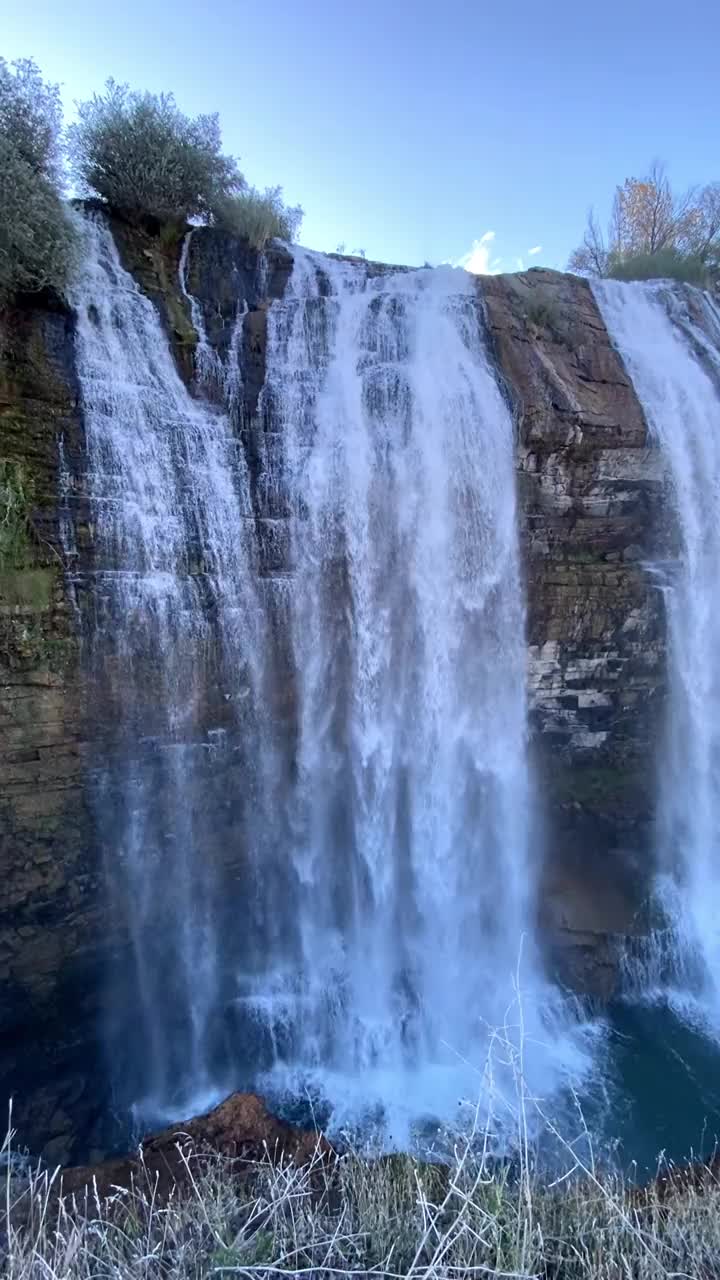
{"x":415,"y":130}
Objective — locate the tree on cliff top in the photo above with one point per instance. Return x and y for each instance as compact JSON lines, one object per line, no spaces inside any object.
{"x":31,"y":116}
{"x":36,"y":237}
{"x":142,"y":155}
{"x":654,"y":232}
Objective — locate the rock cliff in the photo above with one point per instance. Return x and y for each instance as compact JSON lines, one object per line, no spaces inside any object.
{"x":590,"y":488}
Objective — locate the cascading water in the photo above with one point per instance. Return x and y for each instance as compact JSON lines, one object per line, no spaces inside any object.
{"x":669,"y":339}
{"x":209,"y":368}
{"x":315,"y":799}
{"x":408,"y":821}
{"x":174,"y":629}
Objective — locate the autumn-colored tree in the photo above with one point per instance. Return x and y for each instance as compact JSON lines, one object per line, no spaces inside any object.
{"x":700,"y":233}
{"x":649,"y":221}
{"x":646,"y":216}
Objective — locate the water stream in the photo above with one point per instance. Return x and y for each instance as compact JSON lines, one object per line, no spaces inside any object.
{"x":314,"y":796}
{"x":669,"y":339}
{"x":172,"y":638}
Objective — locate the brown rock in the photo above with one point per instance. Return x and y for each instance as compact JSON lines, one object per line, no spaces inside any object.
{"x":240,"y":1128}
{"x":591,"y":513}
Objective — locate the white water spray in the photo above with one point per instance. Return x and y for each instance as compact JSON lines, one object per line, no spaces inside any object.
{"x":173,"y":633}
{"x":409,"y":819}
{"x":315,"y":803}
{"x":669,"y":339}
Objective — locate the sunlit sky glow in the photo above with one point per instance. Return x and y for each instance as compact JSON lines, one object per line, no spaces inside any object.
{"x":464,"y":132}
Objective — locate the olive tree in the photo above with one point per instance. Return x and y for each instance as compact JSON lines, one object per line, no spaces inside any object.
{"x":144,"y":157}
{"x":37,"y":240}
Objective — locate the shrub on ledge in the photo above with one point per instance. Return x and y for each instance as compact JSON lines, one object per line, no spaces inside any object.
{"x":142,"y":155}
{"x":666,"y":264}
{"x":258,"y":216}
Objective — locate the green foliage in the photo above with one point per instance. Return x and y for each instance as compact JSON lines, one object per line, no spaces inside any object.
{"x":31,"y":116}
{"x":28,"y":642}
{"x":16,"y":496}
{"x":258,"y":216}
{"x":654,"y":233}
{"x":542,"y":313}
{"x":37,"y":239}
{"x":666,"y":264}
{"x":142,"y":155}
{"x":170,"y":235}
{"x":136,"y":151}
{"x":26,"y":588}
{"x":31,"y":588}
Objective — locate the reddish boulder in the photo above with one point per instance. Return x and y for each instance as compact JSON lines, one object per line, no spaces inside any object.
{"x":240,"y":1128}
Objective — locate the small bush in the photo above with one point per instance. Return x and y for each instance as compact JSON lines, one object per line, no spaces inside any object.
{"x":37,"y":240}
{"x":666,"y":264}
{"x":259,"y":216}
{"x":542,"y":313}
{"x":144,"y":157}
{"x":15,"y":502}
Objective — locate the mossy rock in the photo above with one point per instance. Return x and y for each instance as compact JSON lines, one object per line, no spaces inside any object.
{"x":29,"y":642}
{"x":30,"y":588}
{"x":605,"y":789}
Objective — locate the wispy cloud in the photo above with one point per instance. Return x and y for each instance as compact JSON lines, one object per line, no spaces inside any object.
{"x":479,"y":259}
{"x":482,"y":260}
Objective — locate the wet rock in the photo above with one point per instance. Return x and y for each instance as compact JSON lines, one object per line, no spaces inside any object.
{"x":240,"y":1128}
{"x":590,"y":489}
{"x":592,"y":514}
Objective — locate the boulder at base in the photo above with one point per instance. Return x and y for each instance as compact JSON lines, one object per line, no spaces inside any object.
{"x":240,"y":1128}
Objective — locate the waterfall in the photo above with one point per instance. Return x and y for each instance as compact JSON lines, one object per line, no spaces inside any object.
{"x":669,"y":339}
{"x":210,"y":370}
{"x":173,"y":630}
{"x":408,"y":824}
{"x":305,"y":637}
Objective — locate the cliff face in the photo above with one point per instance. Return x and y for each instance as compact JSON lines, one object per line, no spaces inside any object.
{"x":50,"y":930}
{"x":590,"y":488}
{"x":589,"y":493}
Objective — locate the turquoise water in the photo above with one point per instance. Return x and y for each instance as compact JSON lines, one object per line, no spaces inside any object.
{"x":663,"y":1088}
{"x":653,"y":1098}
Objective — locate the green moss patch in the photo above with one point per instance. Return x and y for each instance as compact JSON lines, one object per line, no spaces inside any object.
{"x":16,"y":497}
{"x":28,"y":588}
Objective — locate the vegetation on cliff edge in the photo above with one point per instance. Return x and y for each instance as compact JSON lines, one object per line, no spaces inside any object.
{"x":136,"y":152}
{"x":655,"y":233}
{"x":37,"y":240}
{"x":258,"y":216}
{"x":147,"y":160}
